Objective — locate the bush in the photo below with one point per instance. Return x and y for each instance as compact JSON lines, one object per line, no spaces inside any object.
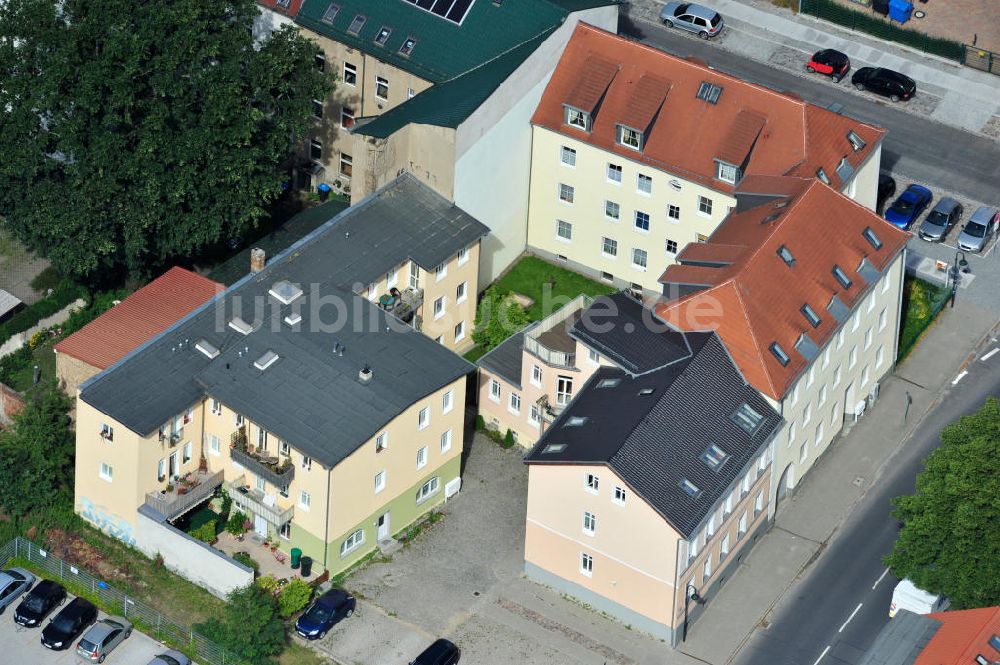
{"x":246,"y":560}
{"x":508,"y":439}
{"x":497,"y":318}
{"x":234,"y":524}
{"x":63,"y":294}
{"x":480,"y":423}
{"x":206,"y":532}
{"x":293,"y":597}
{"x":268,"y":583}
{"x":249,"y":626}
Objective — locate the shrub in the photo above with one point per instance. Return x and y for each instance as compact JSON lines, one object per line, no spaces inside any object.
{"x":246,"y":560}
{"x":497,"y":318}
{"x":293,"y":597}
{"x":268,"y":583}
{"x":206,"y":532}
{"x":235,"y":523}
{"x":480,"y":423}
{"x":508,"y":439}
{"x":63,"y":294}
{"x":249,"y":625}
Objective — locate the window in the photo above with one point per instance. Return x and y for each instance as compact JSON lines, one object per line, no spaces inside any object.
{"x":811,"y":316}
{"x":319,"y":60}
{"x":564,"y":230}
{"x":745,"y":485}
{"x":307,"y":462}
{"x":383,"y":35}
{"x":619,"y":495}
{"x":804,"y":452}
{"x":689,"y":488}
{"x":161,"y":470}
{"x":107,"y":432}
{"x":382,"y":442}
{"x":607,"y":277}
{"x":693,"y":546}
{"x":514,"y":405}
{"x":422,"y":457}
{"x":381,"y":88}
{"x":586,"y":564}
{"x":284,"y":449}
{"x":709,"y":92}
{"x":609,"y":247}
{"x":727,"y":509}
{"x":639,"y":257}
{"x":447,"y":401}
{"x":836,"y":377}
{"x":864,"y":376}
{"x":107,"y":472}
{"x":216,"y":407}
{"x":564,"y":390}
{"x":786,"y":256}
{"x":359,"y":22}
{"x":239,"y":420}
{"x":565,"y":193}
{"x":726,"y":172}
{"x":674,"y":212}
{"x":644,"y":184}
{"x":186,"y":454}
{"x":577,"y":118}
{"x":567,"y":156}
{"x":535,"y":415}
{"x":780,"y":354}
{"x":641,"y":220}
{"x":214,"y":445}
{"x":285,"y":531}
{"x":704,"y":205}
{"x":427,"y":489}
{"x":318,"y":109}
{"x":594,"y":357}
{"x":405,"y":49}
{"x":879,"y":357}
{"x":841,"y":277}
{"x":758,"y":503}
{"x":589,"y":523}
{"x":260,"y":484}
{"x":742,"y":527}
{"x":592,"y":483}
{"x":853,"y":358}
{"x":630,"y":138}
{"x":346,"y":165}
{"x":494,"y":390}
{"x":439,"y":304}
{"x":350,"y":74}
{"x":315,"y":149}
{"x":671,"y":246}
{"x":424,"y":418}
{"x":346,"y":117}
{"x":791,"y":435}
{"x":724,"y":547}
{"x":714,"y":457}
{"x":304,"y":500}
{"x":440,"y":271}
{"x":445,"y":441}
{"x":612,"y":211}
{"x":352,"y":542}
{"x":615,"y":173}
{"x":379,"y":481}
{"x":414,"y":275}
{"x":707,"y":570}
{"x":872,"y":238}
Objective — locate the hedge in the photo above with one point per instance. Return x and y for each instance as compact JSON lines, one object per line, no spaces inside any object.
{"x":64,"y":294}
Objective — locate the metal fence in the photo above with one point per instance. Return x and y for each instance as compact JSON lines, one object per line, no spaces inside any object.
{"x":977,"y":58}
{"x":877,"y":26}
{"x":147,"y":619}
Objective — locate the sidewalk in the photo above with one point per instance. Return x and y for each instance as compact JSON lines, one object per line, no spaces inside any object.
{"x":947,"y":92}
{"x":805,"y":523}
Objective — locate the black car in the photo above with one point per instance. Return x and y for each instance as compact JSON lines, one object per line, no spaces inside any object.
{"x":886,"y":189}
{"x":829,"y":62}
{"x":884,"y":82}
{"x":442,"y":652}
{"x":71,"y":621}
{"x":325,"y":612}
{"x":45,"y":597}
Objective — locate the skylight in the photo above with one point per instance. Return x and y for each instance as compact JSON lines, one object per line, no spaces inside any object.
{"x":554,"y":448}
{"x":714,"y":457}
{"x":266,"y":360}
{"x":575,"y":421}
{"x":747,"y":418}
{"x":872,"y":238}
{"x":330,"y":13}
{"x":357,"y":24}
{"x":842,"y":277}
{"x":383,"y":35}
{"x":407,"y":46}
{"x":856,"y":141}
{"x":821,"y":174}
{"x":779,"y":353}
{"x":285,"y":292}
{"x":709,"y":92}
{"x":811,"y":316}
{"x":450,"y":10}
{"x":206,"y":348}
{"x":689,"y":488}
{"x":646,"y":391}
{"x":240,"y":326}
{"x":608,"y":383}
{"x":293,"y":319}
{"x":786,"y":256}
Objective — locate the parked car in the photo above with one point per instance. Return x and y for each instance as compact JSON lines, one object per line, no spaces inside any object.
{"x":884,"y":82}
{"x":13,"y":582}
{"x":941,"y":219}
{"x":905,"y":209}
{"x":694,"y":18}
{"x":45,"y":597}
{"x":442,"y":652}
{"x":68,"y":624}
{"x":324,"y":613}
{"x":978,"y":230}
{"x":170,"y":658}
{"x":829,"y":62}
{"x":102,"y":638}
{"x":886,"y":188}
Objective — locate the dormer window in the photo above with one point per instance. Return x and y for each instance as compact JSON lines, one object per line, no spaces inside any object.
{"x":811,"y":316}
{"x":714,"y":457}
{"x":856,"y":141}
{"x":786,"y":256}
{"x":407,"y":47}
{"x":630,"y":138}
{"x":330,"y":13}
{"x":726,"y":172}
{"x":577,"y":118}
{"x":872,"y":238}
{"x":779,"y":353}
{"x":383,"y":35}
{"x":842,"y":277}
{"x":823,"y":177}
{"x":357,"y":24}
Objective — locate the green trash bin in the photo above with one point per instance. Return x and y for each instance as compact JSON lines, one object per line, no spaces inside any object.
{"x":296,"y":555}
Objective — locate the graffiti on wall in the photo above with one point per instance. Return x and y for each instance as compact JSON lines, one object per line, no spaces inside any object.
{"x":108,"y":523}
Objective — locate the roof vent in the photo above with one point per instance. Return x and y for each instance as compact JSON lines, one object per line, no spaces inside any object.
{"x":240,"y":326}
{"x":554,"y":448}
{"x":265,"y":360}
{"x":575,"y":421}
{"x":293,"y":319}
{"x":365,"y":375}
{"x":285,"y":292}
{"x":206,"y":348}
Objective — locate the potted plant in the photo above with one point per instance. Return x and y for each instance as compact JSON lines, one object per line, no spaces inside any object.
{"x":170,"y":487}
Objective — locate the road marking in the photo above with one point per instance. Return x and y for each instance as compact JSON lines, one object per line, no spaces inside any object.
{"x":884,"y":573}
{"x":822,"y":654}
{"x":959,"y":377}
{"x":989,"y":355}
{"x":850,"y":617}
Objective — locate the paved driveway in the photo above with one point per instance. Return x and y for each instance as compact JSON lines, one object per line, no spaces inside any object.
{"x":462,"y":579}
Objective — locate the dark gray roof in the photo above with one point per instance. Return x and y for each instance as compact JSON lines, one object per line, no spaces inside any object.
{"x":655,"y":441}
{"x":309,"y":397}
{"x":639,"y":342}
{"x":901,"y":640}
{"x":505,"y":359}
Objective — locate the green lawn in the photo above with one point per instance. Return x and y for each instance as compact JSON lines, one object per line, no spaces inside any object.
{"x":531,"y":277}
{"x":45,"y":358}
{"x":922,"y":302}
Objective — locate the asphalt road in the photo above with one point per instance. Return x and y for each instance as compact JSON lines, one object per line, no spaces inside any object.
{"x":833,"y":613}
{"x":915,"y":147}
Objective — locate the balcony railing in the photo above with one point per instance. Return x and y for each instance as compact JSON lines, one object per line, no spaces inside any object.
{"x":547,"y":355}
{"x":278,"y":472}
{"x":253,"y":502}
{"x":184,"y":496}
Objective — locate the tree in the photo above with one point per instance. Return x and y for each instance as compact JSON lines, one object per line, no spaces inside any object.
{"x":497,"y":318}
{"x":36,"y":455}
{"x":949,"y":543}
{"x":136,"y":133}
{"x":249,"y":626}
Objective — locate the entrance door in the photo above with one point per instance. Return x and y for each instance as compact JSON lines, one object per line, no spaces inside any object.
{"x":260,"y":525}
{"x":173,"y":465}
{"x":850,"y":400}
{"x":383,"y":526}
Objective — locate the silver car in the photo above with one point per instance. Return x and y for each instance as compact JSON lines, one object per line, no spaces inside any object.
{"x":978,"y":230}
{"x":941,"y":219}
{"x":171,"y":658}
{"x":13,"y":583}
{"x":698,"y":19}
{"x":102,"y":638}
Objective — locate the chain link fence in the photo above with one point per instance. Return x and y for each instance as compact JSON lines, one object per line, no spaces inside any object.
{"x":113,"y":601}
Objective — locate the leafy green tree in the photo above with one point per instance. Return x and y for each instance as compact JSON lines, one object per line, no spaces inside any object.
{"x":36,"y":455}
{"x":249,"y":626}
{"x":293,"y":597}
{"x":949,"y":543}
{"x":497,"y":318}
{"x":139,"y":132}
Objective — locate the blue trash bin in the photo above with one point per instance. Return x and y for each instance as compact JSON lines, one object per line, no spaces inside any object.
{"x":324,"y":191}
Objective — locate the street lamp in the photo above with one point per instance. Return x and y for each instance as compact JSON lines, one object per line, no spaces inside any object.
{"x":690,"y":593}
{"x":960,"y":265}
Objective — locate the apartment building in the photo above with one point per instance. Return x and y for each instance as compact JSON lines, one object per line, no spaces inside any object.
{"x":274,"y":15}
{"x":804,"y":287}
{"x":653,"y":483}
{"x":958,"y":637}
{"x":636,"y":153}
{"x":303,"y":388}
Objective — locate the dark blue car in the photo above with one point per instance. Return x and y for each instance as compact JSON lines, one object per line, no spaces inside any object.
{"x":905,"y":209}
{"x":324,"y":613}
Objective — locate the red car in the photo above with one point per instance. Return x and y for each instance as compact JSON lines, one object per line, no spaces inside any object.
{"x":831,"y":63}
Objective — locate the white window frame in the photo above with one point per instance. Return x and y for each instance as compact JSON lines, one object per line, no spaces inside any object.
{"x":536,"y":376}
{"x":305,"y":500}
{"x":589,"y":523}
{"x":594,"y":357}
{"x":381,"y":81}
{"x":586,"y":564}
{"x":461,"y":292}
{"x":563,"y":396}
{"x":352,"y":542}
{"x":645,"y":258}
{"x":382,"y":442}
{"x":463,"y":256}
{"x":106,"y":472}
{"x":535,"y":415}
{"x":447,"y":402}
{"x":428,"y":489}
{"x":592,"y":483}
{"x":350,"y":76}
{"x":605,"y":242}
{"x":445,"y":441}
{"x":421,"y":457}
{"x":617,"y":217}
{"x":566,"y":193}
{"x":561,"y":225}
{"x":514,"y":403}
{"x":379,"y":481}
{"x":641,"y":178}
{"x":423,"y":418}
{"x":619,"y":170}
{"x":441,"y":271}
{"x":495,"y":390}
{"x":620,"y":495}
{"x":565,"y":151}
{"x":214,"y":445}
{"x":440,"y":306}
{"x":703,"y":203}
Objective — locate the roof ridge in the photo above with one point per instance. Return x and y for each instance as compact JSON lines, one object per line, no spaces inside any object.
{"x":496,"y":57}
{"x":753,"y":337}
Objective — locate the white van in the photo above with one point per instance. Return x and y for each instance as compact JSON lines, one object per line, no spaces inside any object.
{"x":906,"y":596}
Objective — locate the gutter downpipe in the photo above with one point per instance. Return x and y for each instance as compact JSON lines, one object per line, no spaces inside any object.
{"x":326,"y":527}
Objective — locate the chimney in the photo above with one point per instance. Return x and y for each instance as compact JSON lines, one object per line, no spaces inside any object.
{"x":365,"y":375}
{"x":257,"y":259}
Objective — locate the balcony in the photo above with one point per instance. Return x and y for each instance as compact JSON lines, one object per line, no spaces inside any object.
{"x":275,"y":470}
{"x":185,"y":494}
{"x":402,"y":304}
{"x":551,"y":357}
{"x":254,"y":502}
{"x":171,"y":438}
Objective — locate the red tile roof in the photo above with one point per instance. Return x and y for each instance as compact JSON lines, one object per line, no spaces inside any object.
{"x":291,"y":10}
{"x":143,"y":315}
{"x":754,"y":299}
{"x":610,"y":77}
{"x":963,"y":635}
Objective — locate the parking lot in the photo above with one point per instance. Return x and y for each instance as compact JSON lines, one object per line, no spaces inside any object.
{"x":23,"y":645}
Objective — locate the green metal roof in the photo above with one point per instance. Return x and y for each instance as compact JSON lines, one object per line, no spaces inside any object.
{"x":443,"y":49}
